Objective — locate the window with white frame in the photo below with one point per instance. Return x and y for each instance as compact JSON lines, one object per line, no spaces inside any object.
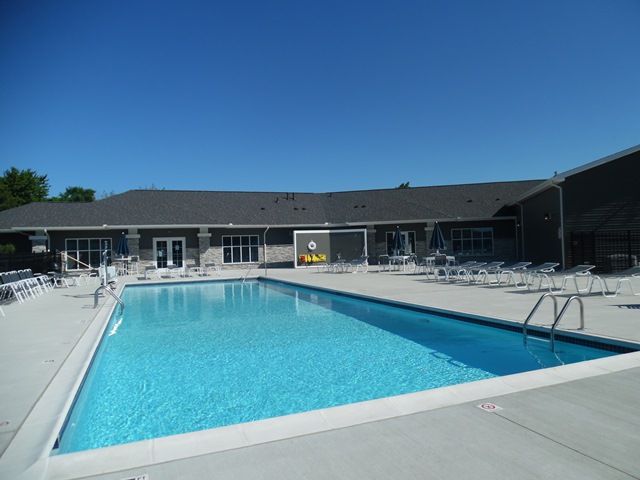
{"x":86,"y":251}
{"x":240,"y":248}
{"x":472,"y":241}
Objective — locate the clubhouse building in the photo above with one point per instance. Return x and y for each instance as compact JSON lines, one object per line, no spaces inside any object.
{"x":590,"y":214}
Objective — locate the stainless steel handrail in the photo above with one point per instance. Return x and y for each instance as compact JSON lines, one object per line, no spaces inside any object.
{"x":562,"y":312}
{"x":244,"y":279}
{"x":555,"y":313}
{"x":107,"y":288}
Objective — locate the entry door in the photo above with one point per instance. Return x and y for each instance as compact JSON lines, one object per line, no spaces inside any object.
{"x":409,"y":242}
{"x":168,"y":251}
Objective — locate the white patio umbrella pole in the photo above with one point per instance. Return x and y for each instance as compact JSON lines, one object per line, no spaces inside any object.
{"x":264,"y":247}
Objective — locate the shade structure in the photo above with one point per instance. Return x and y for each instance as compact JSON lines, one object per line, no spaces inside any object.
{"x":123,"y":246}
{"x":437,"y":239}
{"x":398,"y":241}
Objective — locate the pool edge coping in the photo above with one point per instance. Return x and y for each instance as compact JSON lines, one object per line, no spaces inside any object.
{"x":205,"y":442}
{"x":29,"y":458}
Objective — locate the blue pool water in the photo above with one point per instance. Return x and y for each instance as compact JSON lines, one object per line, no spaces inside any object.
{"x":195,"y":356}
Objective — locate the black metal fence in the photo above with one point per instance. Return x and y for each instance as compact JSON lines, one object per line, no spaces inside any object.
{"x":610,"y":251}
{"x":37,"y":262}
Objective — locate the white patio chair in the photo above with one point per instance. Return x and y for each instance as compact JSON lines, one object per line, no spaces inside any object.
{"x":193,"y":268}
{"x":134,"y":262}
{"x":211,"y":267}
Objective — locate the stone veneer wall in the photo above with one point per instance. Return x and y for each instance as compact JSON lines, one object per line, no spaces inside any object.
{"x":204,"y":240}
{"x":281,"y":256}
{"x":193,"y":256}
{"x":277,"y":256}
{"x":211,"y":255}
{"x":134,"y":244}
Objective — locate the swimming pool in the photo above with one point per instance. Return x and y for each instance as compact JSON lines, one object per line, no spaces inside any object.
{"x":196,"y":356}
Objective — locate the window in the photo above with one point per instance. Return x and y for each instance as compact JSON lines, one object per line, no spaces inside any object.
{"x":472,"y":241}
{"x":86,"y":251}
{"x":240,"y":248}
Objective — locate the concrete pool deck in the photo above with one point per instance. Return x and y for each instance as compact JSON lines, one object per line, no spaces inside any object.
{"x":578,"y":421}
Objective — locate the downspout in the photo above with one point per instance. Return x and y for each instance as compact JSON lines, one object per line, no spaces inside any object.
{"x":521,"y":232}
{"x":561,"y":232}
{"x":264,"y":246}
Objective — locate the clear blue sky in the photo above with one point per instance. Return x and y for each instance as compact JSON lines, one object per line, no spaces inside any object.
{"x":305,"y":96}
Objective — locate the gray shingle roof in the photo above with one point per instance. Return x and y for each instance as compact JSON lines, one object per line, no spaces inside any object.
{"x":147,"y":208}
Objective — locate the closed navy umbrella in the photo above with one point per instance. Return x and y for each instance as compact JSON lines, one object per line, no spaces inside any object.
{"x":437,"y":239}
{"x":398,"y":241}
{"x":123,"y":246}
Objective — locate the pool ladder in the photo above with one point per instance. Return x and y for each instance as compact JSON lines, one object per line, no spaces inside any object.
{"x":244,"y":279}
{"x":556,"y":317}
{"x":107,"y":288}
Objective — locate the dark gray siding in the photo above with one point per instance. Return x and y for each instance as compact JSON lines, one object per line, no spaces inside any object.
{"x":539,"y":227}
{"x":606,"y":197}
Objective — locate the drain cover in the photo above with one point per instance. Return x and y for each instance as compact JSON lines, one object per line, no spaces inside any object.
{"x":489,"y":407}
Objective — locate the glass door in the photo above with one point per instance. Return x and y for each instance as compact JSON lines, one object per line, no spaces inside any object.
{"x":168,"y":251}
{"x":177,"y":251}
{"x":161,"y":253}
{"x":409,"y":242}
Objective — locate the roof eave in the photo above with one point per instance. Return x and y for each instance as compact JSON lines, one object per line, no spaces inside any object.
{"x":237,"y":226}
{"x":561,"y":177}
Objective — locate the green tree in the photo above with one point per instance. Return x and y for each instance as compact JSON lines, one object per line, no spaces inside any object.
{"x":403,"y":185}
{"x":76,"y":194}
{"x":8,"y":248}
{"x":19,"y":187}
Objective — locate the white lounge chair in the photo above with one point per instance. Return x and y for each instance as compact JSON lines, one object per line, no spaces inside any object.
{"x":556,"y":282}
{"x":527,"y":273}
{"x":626,"y":276}
{"x":339,"y":266}
{"x":481,"y":274}
{"x":151,"y":270}
{"x":360,"y":263}
{"x":62,"y":280}
{"x":446,"y":270}
{"x":508,"y":272}
{"x":173,"y":270}
{"x":463,"y":272}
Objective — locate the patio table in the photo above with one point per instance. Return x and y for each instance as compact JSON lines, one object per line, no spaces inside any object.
{"x":400,"y":259}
